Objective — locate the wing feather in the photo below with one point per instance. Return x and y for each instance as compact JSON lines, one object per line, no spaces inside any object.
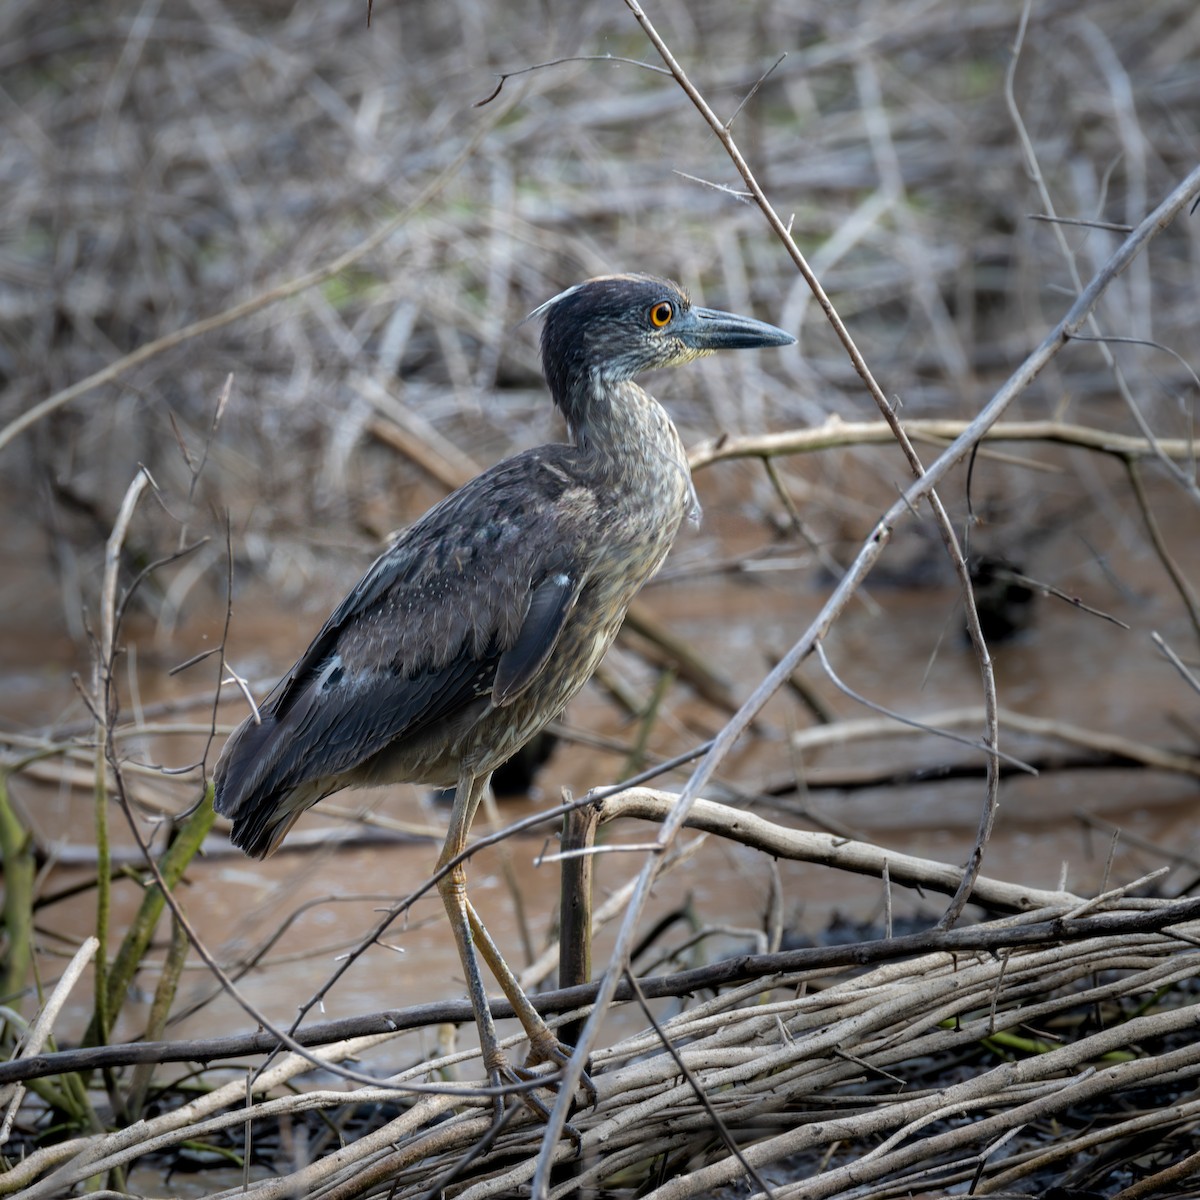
{"x":549,"y":606}
{"x":468,"y":603}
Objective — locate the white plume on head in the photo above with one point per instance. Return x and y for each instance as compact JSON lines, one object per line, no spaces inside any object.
{"x":543,"y":309}
{"x":641,"y":276}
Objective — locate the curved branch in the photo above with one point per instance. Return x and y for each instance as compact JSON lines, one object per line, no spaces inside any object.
{"x":835,"y":432}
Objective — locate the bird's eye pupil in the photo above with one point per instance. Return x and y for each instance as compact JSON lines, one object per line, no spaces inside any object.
{"x":661,"y":314}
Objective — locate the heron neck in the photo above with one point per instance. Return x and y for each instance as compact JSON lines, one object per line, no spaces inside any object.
{"x":627,"y":435}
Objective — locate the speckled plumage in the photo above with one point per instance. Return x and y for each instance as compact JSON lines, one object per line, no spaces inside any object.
{"x":398,"y":684}
{"x":477,"y":626}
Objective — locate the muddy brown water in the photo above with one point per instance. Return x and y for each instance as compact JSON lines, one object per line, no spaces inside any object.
{"x":323,"y":897}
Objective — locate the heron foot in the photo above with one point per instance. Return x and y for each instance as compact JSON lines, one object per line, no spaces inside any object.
{"x":545,"y":1047}
{"x":502,"y":1074}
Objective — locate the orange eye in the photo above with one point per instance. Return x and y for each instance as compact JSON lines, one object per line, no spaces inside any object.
{"x":661,"y":314}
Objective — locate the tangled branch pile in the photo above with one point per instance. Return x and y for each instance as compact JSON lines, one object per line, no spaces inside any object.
{"x":1004,"y":1068}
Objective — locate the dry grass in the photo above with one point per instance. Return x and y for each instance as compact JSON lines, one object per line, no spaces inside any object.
{"x":169,"y":163}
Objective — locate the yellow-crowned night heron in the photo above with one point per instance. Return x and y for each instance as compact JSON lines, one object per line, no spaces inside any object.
{"x":484,"y":618}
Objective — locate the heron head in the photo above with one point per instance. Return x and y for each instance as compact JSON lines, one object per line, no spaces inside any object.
{"x":614,"y":327}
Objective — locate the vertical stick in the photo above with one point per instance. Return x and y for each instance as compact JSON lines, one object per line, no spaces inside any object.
{"x":575,"y":917}
{"x":104,"y":701}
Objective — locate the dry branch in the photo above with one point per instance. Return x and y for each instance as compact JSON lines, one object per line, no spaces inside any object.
{"x":758,"y":1059}
{"x":836,"y":433}
{"x":923,"y":489}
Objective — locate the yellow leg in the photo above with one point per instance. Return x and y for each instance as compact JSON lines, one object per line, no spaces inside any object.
{"x":470,"y":934}
{"x":453,"y":889}
{"x":544,"y":1046}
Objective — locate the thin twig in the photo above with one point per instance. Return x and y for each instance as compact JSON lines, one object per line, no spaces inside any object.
{"x":924,"y":727}
{"x":1180,"y":196}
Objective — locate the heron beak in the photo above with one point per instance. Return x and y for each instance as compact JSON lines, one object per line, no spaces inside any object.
{"x":707,"y":329}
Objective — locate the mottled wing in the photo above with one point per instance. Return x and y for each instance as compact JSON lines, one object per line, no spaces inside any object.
{"x":463,"y":611}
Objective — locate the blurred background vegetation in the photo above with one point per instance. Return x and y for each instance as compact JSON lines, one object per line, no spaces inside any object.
{"x":161,"y":162}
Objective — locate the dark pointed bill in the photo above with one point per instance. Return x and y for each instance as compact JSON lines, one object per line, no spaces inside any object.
{"x":711,"y":329}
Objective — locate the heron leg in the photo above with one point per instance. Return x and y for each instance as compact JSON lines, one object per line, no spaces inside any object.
{"x":452,"y":887}
{"x":544,"y":1045}
{"x":471,"y":934}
